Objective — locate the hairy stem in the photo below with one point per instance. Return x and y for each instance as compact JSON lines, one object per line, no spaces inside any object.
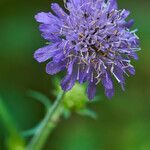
{"x":47,"y":125}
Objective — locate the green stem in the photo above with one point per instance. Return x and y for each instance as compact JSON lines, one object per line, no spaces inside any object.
{"x":47,"y":125}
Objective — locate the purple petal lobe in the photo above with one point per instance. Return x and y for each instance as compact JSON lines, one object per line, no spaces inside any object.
{"x":68,"y":81}
{"x":91,"y":90}
{"x":49,"y":29}
{"x":134,"y":55}
{"x":58,"y":10}
{"x":112,"y":4}
{"x":43,"y":18}
{"x":131,"y":70}
{"x":106,"y":81}
{"x":82,"y":75}
{"x":53,"y":67}
{"x":124,"y":14}
{"x":45,"y":53}
{"x":109,"y":93}
{"x":129,"y":24}
{"x":118,"y":73}
{"x":75,"y":2}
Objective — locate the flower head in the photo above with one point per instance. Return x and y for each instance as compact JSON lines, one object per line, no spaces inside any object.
{"x":91,"y":41}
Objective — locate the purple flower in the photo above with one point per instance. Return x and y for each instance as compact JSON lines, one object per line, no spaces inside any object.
{"x":91,"y":41}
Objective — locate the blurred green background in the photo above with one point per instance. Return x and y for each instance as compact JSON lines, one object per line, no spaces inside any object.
{"x":123,"y":123}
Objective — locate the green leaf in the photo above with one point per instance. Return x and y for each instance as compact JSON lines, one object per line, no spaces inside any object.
{"x":87,"y":112}
{"x":95,"y":100}
{"x":40,"y":97}
{"x":31,"y":131}
{"x":66,"y":113}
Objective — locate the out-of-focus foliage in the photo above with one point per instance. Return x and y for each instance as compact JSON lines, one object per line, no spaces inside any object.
{"x":122,"y":124}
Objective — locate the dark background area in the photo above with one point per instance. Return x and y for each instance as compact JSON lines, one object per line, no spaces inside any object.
{"x":123,"y":123}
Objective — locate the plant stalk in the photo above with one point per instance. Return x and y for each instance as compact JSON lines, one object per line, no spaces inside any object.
{"x":47,"y":125}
